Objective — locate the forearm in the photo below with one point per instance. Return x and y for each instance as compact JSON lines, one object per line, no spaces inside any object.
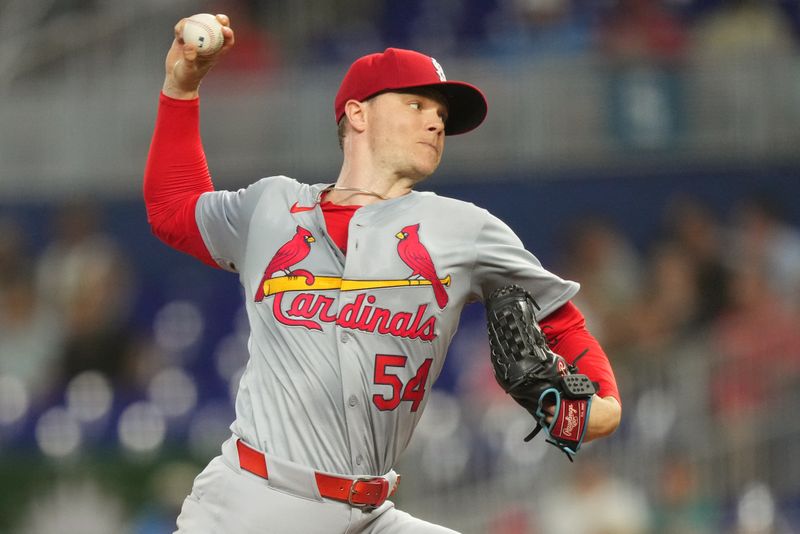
{"x":176,"y":175}
{"x":604,"y":417}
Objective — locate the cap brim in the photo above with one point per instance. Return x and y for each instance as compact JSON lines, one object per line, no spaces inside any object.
{"x":466,"y":105}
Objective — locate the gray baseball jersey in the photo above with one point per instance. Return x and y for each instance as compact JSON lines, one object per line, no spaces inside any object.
{"x":344,"y":348}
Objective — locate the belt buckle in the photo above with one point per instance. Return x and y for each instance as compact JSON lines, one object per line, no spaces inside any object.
{"x":368,"y":506}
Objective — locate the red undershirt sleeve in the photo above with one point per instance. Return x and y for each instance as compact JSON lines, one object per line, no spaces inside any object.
{"x":175,"y":176}
{"x":568,"y":337}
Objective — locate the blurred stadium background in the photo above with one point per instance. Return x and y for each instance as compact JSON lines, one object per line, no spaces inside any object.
{"x":645,"y":148}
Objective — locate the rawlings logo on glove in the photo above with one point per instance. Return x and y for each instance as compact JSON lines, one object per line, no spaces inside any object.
{"x":538,"y":379}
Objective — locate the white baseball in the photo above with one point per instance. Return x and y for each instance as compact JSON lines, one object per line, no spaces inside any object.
{"x":205,"y":32}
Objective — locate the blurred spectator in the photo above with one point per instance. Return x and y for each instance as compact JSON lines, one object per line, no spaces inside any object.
{"x":644,"y":42}
{"x":664,"y":343}
{"x":30,"y":333}
{"x":739,"y":27}
{"x":764,"y":239}
{"x":757,"y":367}
{"x":680,"y":506}
{"x":84,"y":277}
{"x":756,"y":326}
{"x":595,"y":502}
{"x":668,"y":302}
{"x":609,"y":269}
{"x":758,"y":513}
{"x":692,"y":227}
{"x":641,"y":30}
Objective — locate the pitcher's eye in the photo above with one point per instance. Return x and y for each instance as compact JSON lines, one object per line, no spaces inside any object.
{"x":415,"y":105}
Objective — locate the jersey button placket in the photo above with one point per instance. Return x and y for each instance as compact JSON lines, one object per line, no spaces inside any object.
{"x":352,"y":381}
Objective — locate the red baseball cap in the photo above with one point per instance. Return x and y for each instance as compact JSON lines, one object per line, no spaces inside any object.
{"x":398,"y":69}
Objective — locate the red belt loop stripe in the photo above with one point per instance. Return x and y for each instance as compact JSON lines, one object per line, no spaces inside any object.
{"x":251,"y":460}
{"x":363,"y":492}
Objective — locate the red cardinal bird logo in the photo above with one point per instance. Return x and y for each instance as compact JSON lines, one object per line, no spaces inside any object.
{"x":292,"y":252}
{"x":416,"y":256}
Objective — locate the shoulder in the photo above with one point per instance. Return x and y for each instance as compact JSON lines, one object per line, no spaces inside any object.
{"x":266,"y":193}
{"x":451,"y":205}
{"x":465,"y":214}
{"x":277,"y":183}
{"x":268,"y":187}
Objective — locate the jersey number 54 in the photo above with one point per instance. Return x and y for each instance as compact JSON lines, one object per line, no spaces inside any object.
{"x":413,"y":390}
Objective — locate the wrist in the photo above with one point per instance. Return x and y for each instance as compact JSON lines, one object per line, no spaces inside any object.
{"x":171,"y":90}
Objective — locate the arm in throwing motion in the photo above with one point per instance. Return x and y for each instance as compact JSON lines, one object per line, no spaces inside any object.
{"x":176,"y":173}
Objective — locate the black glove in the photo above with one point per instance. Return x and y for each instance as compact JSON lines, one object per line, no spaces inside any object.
{"x":534,"y":376}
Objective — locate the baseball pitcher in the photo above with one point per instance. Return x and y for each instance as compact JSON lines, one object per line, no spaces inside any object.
{"x":353,"y":291}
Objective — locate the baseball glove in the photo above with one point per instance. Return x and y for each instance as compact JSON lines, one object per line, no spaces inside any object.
{"x":536,"y":378}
